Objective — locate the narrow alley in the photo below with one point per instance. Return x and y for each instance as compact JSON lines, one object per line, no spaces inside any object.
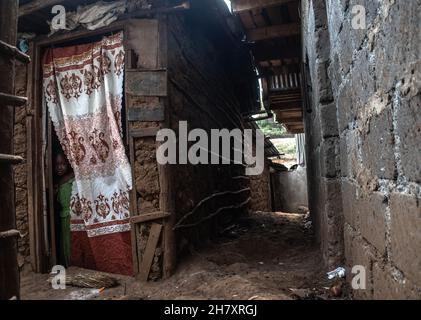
{"x":241,"y":150}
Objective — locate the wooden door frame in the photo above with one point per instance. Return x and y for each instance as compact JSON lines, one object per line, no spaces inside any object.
{"x":42,"y":260}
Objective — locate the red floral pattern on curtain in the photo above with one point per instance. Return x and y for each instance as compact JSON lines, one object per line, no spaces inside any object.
{"x":83,"y":89}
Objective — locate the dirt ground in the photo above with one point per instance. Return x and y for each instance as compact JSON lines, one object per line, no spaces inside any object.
{"x":263,"y":257}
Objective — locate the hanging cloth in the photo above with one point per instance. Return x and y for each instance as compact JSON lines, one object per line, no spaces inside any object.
{"x":83,"y":90}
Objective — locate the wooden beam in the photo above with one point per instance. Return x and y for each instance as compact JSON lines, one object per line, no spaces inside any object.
{"x":289,"y":120}
{"x":146,"y":132}
{"x":272,"y":32}
{"x":13,"y":52}
{"x":149,"y":254}
{"x":12,"y":100}
{"x":10,"y":159}
{"x":37,"y":5}
{"x":149,"y":217}
{"x":245,"y":5}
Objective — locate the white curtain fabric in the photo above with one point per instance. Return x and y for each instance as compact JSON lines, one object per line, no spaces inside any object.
{"x":83,"y":89}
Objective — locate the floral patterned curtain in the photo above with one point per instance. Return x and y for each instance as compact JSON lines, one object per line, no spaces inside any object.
{"x":83,"y":90}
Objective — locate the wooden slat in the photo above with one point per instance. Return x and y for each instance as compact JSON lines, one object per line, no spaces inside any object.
{"x":133,"y":209}
{"x":12,"y":100}
{"x":10,"y":234}
{"x":13,"y":52}
{"x":10,"y":159}
{"x":149,"y":217}
{"x":245,"y":5}
{"x":145,"y":114}
{"x":142,"y":133}
{"x":147,"y":83}
{"x":278,"y":31}
{"x":149,"y":253}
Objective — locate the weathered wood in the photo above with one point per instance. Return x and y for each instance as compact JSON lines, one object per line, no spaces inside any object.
{"x":278,"y":31}
{"x":10,"y":234}
{"x":13,"y":52}
{"x":9,"y":159}
{"x":12,"y":100}
{"x":139,"y":33}
{"x":145,"y":114}
{"x":133,"y":209}
{"x":167,"y":195}
{"x":9,"y":270}
{"x":51,"y":197}
{"x":37,"y":5}
{"x":146,"y":83}
{"x":149,"y":217}
{"x":145,"y":266}
{"x":142,"y":133}
{"x":245,"y":5}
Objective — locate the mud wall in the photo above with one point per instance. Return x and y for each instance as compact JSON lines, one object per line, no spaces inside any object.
{"x":205,"y":85}
{"x":261,"y":191}
{"x":365,"y":101}
{"x":20,"y":170}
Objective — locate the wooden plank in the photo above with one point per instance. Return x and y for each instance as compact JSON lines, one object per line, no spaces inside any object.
{"x":12,"y":100}
{"x":9,"y":269}
{"x":145,"y":114}
{"x":51,"y":199}
{"x":245,"y":5}
{"x":147,"y":83}
{"x":278,"y":31}
{"x":166,"y":196}
{"x":149,"y":217}
{"x":10,"y":159}
{"x":149,"y":253}
{"x":142,"y":133}
{"x":142,"y":38}
{"x":13,"y":52}
{"x":37,"y":5}
{"x":134,"y":210}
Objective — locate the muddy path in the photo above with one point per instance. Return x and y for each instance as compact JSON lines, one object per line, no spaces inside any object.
{"x":264,"y":256}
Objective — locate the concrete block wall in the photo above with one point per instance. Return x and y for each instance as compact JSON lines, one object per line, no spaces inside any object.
{"x":374,"y":76}
{"x":322,"y":137}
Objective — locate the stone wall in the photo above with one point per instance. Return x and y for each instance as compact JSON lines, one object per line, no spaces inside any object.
{"x":322,"y":137}
{"x":365,"y":104}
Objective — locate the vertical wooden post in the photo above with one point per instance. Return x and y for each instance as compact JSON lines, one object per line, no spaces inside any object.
{"x":9,"y":272}
{"x":166,"y":199}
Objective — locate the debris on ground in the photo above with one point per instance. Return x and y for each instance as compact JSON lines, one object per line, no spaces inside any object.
{"x":96,"y":281}
{"x":337,"y":273}
{"x":266,"y":256}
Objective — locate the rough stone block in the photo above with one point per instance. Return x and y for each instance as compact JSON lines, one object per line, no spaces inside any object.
{"x":345,"y":103}
{"x":386,"y":287}
{"x":330,"y":161}
{"x":328,"y":120}
{"x":349,"y":154}
{"x":378,"y":145}
{"x":372,"y":215}
{"x":409,"y":131}
{"x":349,"y":199}
{"x":405,"y":234}
{"x":358,"y":253}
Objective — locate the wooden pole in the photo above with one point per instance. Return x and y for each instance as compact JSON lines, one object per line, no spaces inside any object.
{"x":166,"y":198}
{"x":9,"y":272}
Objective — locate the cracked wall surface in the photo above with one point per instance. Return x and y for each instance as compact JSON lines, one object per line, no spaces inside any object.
{"x":364,"y":140}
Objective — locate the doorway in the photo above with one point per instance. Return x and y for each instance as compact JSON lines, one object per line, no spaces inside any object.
{"x":89,"y":142}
